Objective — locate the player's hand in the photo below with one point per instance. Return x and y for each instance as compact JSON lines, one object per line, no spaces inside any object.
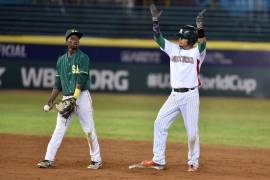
{"x":199,"y":19}
{"x":155,"y":13}
{"x":50,"y":104}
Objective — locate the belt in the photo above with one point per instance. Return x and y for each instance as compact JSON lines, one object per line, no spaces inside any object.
{"x":182,"y":89}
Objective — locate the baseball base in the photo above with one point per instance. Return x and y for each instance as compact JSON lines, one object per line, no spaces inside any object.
{"x":141,"y":166}
{"x":136,"y":166}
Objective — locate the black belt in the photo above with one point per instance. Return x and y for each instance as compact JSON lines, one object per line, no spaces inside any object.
{"x":182,"y":89}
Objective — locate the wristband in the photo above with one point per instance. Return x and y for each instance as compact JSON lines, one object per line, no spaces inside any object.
{"x":200,"y":33}
{"x":77,"y":93}
{"x":156,"y":28}
{"x":154,"y":19}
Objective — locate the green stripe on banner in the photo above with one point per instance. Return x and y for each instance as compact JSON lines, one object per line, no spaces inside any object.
{"x":131,"y":43}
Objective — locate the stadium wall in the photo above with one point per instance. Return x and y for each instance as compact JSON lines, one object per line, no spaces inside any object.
{"x":135,"y":66}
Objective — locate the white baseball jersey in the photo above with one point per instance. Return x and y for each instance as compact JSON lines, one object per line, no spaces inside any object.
{"x":184,"y":65}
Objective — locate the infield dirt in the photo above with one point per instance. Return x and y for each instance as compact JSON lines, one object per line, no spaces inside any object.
{"x":19,"y":155}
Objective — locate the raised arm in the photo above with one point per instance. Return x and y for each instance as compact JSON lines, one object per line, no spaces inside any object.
{"x":156,"y":30}
{"x":201,"y":39}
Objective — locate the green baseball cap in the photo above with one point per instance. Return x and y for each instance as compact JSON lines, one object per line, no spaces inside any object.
{"x":71,"y":32}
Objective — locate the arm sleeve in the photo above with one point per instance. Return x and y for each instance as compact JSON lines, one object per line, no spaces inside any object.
{"x":157,"y":35}
{"x":84,"y":70}
{"x":169,"y":47}
{"x":202,"y":46}
{"x":163,"y":43}
{"x":201,"y":51}
{"x":160,"y":40}
{"x":57,"y":82}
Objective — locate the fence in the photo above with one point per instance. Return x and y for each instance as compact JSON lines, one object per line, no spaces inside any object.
{"x":135,"y":22}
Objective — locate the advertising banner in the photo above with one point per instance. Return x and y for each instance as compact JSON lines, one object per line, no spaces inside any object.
{"x":137,"y":70}
{"x":97,"y":54}
{"x":154,"y":79}
{"x":35,"y":52}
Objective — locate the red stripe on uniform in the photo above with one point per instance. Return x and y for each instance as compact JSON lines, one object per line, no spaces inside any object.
{"x":198,"y":72}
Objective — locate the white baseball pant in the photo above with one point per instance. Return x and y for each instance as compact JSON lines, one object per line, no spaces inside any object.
{"x":85,"y":116}
{"x":188,"y":104}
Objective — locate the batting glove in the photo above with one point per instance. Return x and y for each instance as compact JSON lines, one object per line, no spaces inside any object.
{"x":155,"y":13}
{"x":199,"y":19}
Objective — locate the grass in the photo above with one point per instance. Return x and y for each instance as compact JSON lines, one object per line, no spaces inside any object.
{"x":228,"y":121}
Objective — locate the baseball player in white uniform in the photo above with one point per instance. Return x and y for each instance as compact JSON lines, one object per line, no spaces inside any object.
{"x":185,"y":63}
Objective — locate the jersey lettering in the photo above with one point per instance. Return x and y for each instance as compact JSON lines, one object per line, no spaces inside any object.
{"x":75,"y":69}
{"x":184,"y":59}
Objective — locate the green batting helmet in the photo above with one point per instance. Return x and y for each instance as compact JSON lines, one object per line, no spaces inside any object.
{"x":71,"y":32}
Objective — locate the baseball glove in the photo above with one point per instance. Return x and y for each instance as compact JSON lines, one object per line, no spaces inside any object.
{"x":66,"y":107}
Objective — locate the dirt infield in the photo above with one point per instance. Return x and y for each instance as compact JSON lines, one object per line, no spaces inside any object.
{"x":19,"y":155}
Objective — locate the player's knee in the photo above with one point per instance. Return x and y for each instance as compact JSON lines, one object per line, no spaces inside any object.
{"x":87,"y":130}
{"x":159,"y":125}
{"x":60,"y":130}
{"x":192,"y":137}
{"x":91,"y":134}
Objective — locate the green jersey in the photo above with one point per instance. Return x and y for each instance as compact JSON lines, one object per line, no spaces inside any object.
{"x":71,"y":71}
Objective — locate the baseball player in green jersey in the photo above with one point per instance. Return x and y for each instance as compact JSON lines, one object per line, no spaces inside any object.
{"x":72,"y":79}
